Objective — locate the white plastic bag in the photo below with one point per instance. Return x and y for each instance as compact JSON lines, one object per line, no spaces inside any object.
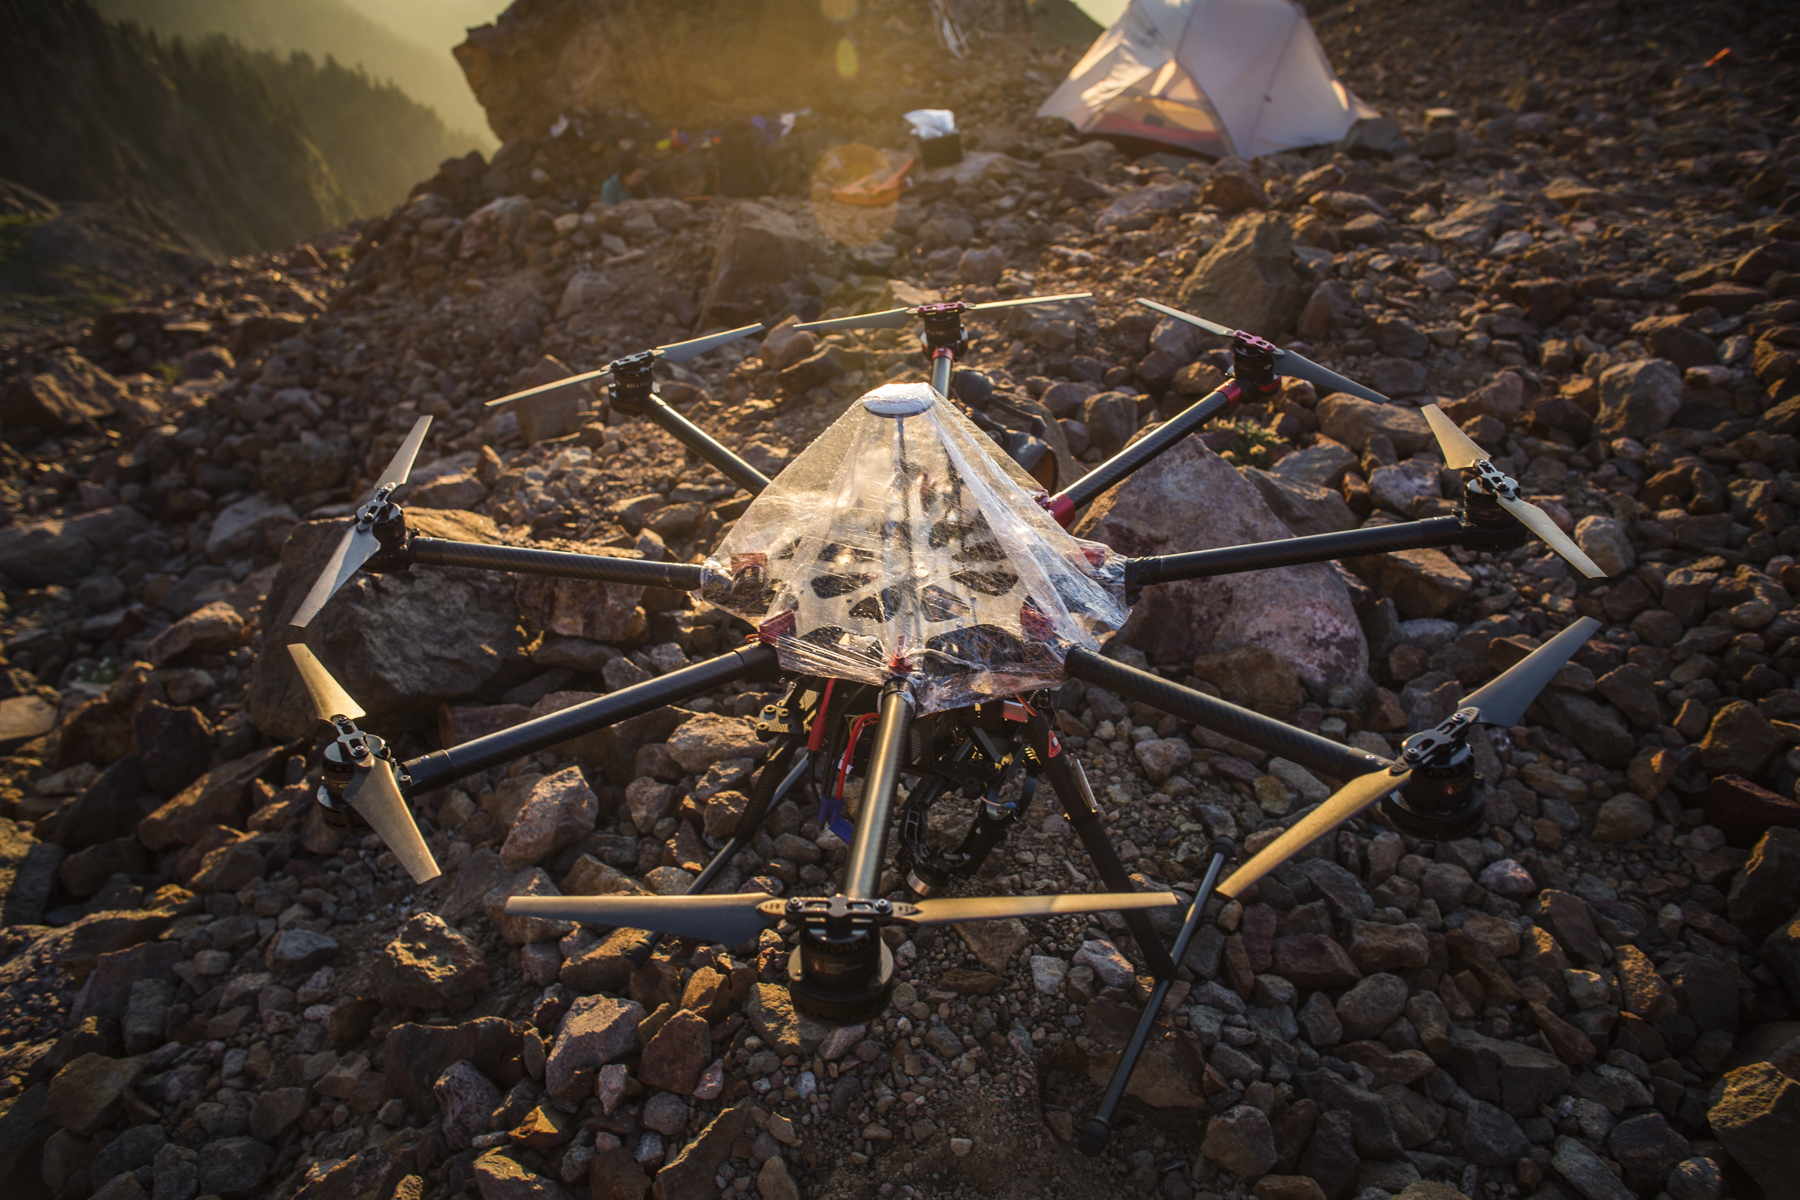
{"x":896,"y":546}
{"x":928,"y":123}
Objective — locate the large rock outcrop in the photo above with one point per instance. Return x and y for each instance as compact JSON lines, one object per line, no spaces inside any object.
{"x":1191,"y":499}
{"x":676,"y":62}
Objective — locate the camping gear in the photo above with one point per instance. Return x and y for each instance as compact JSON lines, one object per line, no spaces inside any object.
{"x":878,"y":188}
{"x":1214,"y":77}
{"x":940,"y":145}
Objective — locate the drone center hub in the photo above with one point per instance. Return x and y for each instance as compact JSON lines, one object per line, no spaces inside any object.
{"x":841,"y":980}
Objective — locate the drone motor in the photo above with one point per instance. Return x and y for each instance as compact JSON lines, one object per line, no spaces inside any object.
{"x":339,"y":763}
{"x":1441,"y":800}
{"x":841,"y":973}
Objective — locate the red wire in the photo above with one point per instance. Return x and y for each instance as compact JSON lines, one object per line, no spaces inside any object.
{"x":815,"y":739}
{"x":856,"y":729}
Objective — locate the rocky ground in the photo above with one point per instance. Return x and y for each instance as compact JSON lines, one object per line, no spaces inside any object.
{"x":1583,"y":244}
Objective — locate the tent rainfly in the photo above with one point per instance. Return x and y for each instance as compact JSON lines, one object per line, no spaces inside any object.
{"x":1216,"y":77}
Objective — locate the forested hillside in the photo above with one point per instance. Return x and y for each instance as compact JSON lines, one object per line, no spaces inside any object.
{"x":231,"y":150}
{"x":413,"y":54}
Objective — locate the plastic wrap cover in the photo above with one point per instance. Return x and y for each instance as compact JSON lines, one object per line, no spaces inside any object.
{"x":895,"y":545}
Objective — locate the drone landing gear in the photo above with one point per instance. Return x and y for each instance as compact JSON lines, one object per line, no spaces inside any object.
{"x":1065,"y":775}
{"x":1096,"y":1131}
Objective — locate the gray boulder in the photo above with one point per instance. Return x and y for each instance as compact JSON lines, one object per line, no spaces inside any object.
{"x":399,"y":644}
{"x":1638,"y":399}
{"x":63,"y":550}
{"x":1248,"y":279}
{"x":1305,"y":508}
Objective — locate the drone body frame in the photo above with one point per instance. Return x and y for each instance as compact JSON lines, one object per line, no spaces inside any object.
{"x":841,"y":970}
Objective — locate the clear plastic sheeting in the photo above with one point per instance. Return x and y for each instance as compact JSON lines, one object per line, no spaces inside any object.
{"x":897,"y":546}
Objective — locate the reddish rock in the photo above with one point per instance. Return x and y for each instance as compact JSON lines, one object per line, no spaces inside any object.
{"x":1241,"y":1140}
{"x":677,"y":1054}
{"x":459,"y":723}
{"x":414,"y":1057}
{"x":1252,"y":676}
{"x":174,"y":745}
{"x":212,"y":629}
{"x":468,"y":1100}
{"x":1421,"y":583}
{"x":1642,"y":990}
{"x":430,"y":965}
{"x":689,"y":1174}
{"x":84,"y":1095}
{"x":583,"y":608}
{"x":1746,"y":810}
{"x":1767,"y":891}
{"x":1569,"y":1043}
{"x":219,"y":797}
{"x":1544,"y":300}
{"x":1191,"y":499}
{"x":1566,"y":915}
{"x":1731,"y":299}
{"x":559,"y":812}
{"x":595,"y":1031}
{"x":706,"y":739}
{"x":1312,"y":960}
{"x":1375,"y":946}
{"x":515,"y":927}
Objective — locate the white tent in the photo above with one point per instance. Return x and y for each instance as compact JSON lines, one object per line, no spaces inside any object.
{"x":1216,"y":77}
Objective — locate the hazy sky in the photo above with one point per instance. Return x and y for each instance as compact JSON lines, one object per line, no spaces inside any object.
{"x":1103,"y":11}
{"x":431,"y":22}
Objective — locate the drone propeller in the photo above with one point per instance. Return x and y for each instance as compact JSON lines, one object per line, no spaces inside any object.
{"x":375,"y":794}
{"x":1287,"y":362}
{"x":733,"y":920}
{"x":372,"y":791}
{"x":329,"y":696}
{"x":1000,"y":908}
{"x":675,"y":352}
{"x":898,"y":318}
{"x":359,"y":543}
{"x":1500,"y":702}
{"x":1461,"y":452}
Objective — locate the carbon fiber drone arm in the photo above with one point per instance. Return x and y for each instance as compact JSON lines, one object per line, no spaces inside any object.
{"x":521,"y":560}
{"x":1287,"y":552}
{"x":1064,"y":505}
{"x":439,"y":767}
{"x":704,"y":446}
{"x":1311,"y":751}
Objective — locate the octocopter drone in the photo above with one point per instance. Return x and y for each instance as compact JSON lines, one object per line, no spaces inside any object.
{"x":920,"y":596}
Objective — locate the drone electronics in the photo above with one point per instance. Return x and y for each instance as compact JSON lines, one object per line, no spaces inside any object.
{"x":919,"y":595}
